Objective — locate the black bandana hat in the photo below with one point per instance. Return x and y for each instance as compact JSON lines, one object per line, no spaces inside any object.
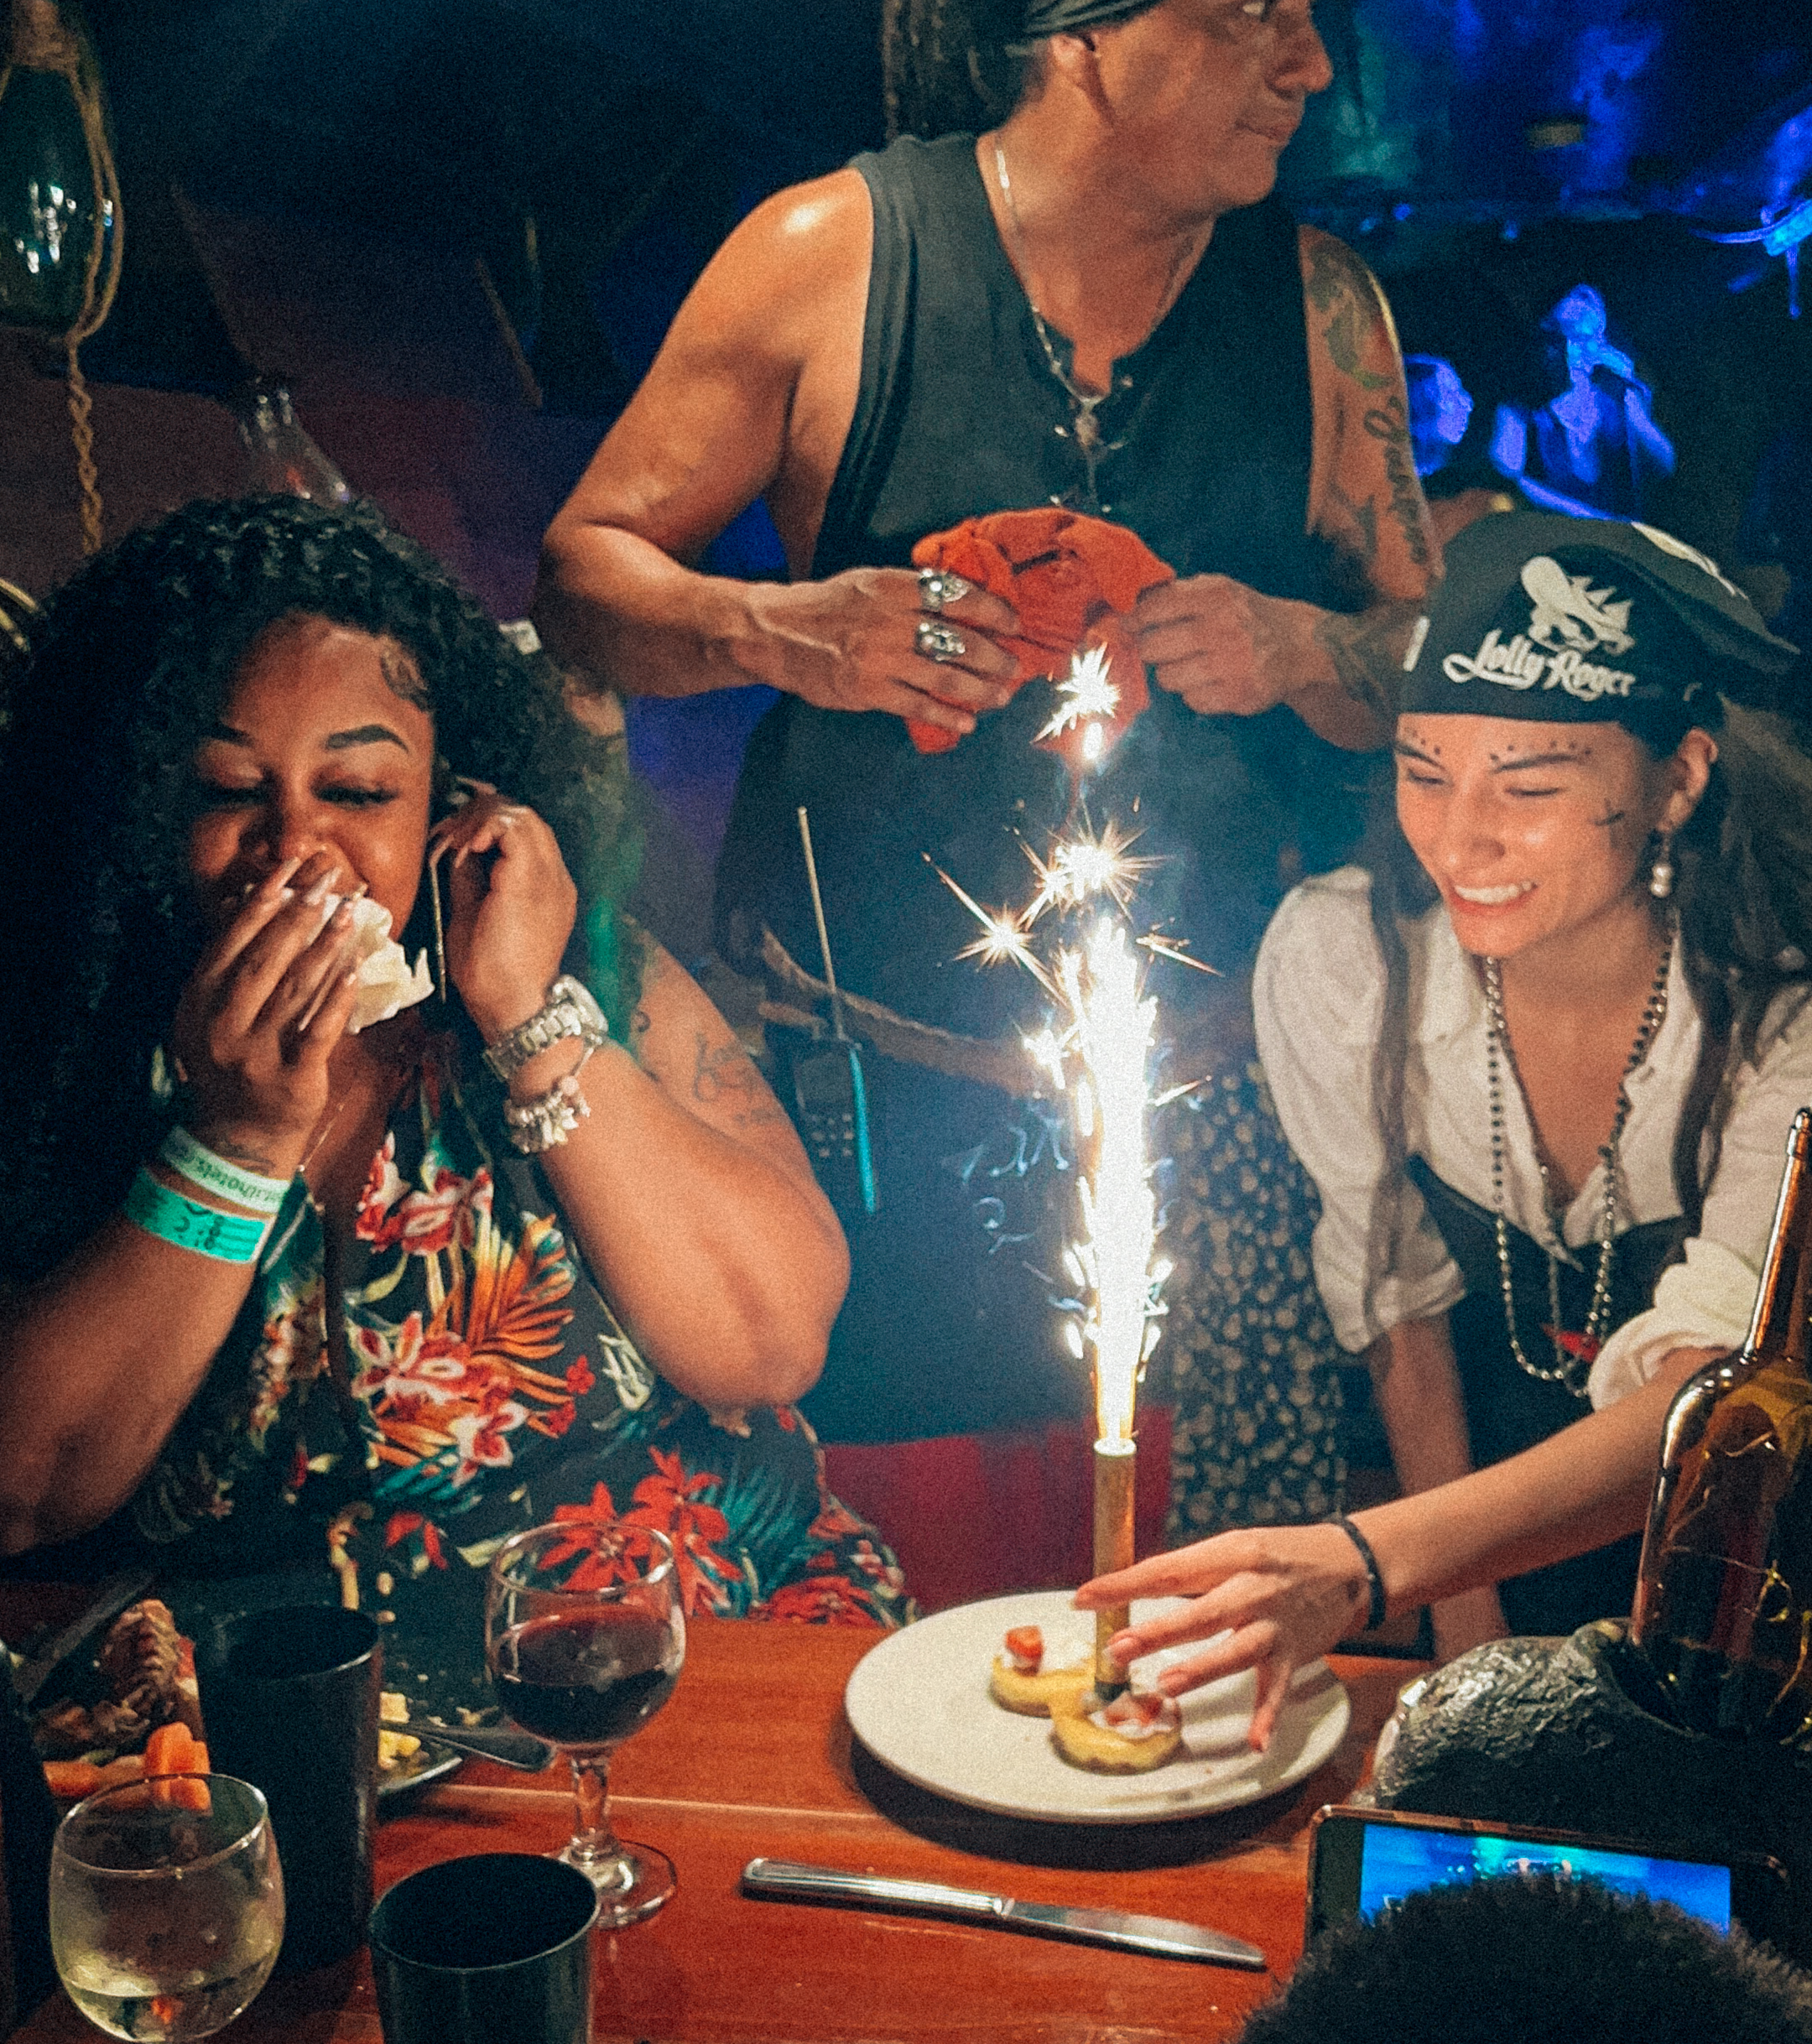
{"x":1587,"y":621}
{"x":1045,"y":18}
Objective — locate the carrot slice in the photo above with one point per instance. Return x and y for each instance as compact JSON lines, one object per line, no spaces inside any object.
{"x":168,"y":1749}
{"x":70,"y":1780}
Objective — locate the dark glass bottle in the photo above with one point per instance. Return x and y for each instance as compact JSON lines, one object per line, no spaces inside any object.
{"x":1723,"y":1611}
{"x":53,"y":207}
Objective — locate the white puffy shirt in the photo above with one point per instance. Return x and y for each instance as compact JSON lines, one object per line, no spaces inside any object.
{"x":1318,"y":997}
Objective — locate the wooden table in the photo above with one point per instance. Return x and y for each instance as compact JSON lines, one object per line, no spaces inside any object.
{"x":754,"y":1755}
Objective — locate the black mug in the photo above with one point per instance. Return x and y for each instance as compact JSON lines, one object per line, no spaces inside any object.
{"x":290,"y":1697}
{"x":495,"y":1946}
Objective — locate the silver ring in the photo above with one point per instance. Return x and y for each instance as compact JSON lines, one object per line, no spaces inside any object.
{"x":938,"y":643}
{"x":938,"y":588}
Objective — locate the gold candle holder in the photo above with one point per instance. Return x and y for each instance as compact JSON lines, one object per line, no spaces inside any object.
{"x":1114,"y":1465}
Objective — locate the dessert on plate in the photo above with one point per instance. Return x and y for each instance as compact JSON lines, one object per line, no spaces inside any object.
{"x":1020,"y":1680}
{"x":1134,"y":1734}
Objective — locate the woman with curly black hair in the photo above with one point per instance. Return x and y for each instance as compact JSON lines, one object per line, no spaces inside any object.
{"x":307,"y":1264}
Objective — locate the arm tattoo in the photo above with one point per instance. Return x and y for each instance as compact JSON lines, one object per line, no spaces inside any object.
{"x":1358,"y":536}
{"x":1339,"y":288}
{"x":724,"y":1074}
{"x":1387,"y":423}
{"x":1368,"y":653}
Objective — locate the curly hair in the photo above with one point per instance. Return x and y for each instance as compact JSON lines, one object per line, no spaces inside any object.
{"x":1535,"y":1956}
{"x":1743,"y":899}
{"x":129,"y":667}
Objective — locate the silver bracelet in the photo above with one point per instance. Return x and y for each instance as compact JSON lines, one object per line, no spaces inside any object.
{"x":545,"y":1122}
{"x":569,"y":1010}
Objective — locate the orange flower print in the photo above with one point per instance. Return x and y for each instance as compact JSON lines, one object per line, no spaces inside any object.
{"x":479,"y":1438}
{"x":579,"y":1377}
{"x":383,"y":1188}
{"x":818,"y":1600}
{"x":401,"y":1524}
{"x":671,"y":1502}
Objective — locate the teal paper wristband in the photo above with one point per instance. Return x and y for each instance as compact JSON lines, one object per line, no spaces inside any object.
{"x":202,"y":1166}
{"x":228,"y":1238}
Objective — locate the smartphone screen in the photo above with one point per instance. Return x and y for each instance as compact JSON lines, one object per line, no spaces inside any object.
{"x":1396,"y":1861}
{"x":1363,"y":1861}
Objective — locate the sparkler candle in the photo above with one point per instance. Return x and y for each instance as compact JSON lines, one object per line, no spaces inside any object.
{"x":1114,"y":1024}
{"x":1099,"y":1049}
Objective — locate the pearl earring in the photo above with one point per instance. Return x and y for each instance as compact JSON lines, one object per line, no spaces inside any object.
{"x":1661,"y":873}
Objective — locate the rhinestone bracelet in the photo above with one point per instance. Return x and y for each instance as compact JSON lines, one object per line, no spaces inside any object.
{"x":545,"y":1122}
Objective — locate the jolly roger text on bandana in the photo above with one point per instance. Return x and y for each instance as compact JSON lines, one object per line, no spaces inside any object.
{"x":1567,"y":621}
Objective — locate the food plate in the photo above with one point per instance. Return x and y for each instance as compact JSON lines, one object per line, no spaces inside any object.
{"x":427,"y":1763}
{"x":919,"y":1703}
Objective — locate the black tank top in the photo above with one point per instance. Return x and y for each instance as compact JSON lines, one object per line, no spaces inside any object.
{"x":958,"y":415}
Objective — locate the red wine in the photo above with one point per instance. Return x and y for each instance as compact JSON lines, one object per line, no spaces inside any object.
{"x":586,"y":1679}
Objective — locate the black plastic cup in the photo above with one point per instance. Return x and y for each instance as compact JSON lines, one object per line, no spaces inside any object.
{"x":477,"y":1950}
{"x":290,"y":1697}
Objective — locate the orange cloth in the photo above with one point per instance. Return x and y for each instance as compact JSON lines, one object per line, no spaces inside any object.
{"x":1071,"y":578}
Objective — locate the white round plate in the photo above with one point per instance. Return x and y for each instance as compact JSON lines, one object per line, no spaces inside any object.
{"x":919,"y":1703}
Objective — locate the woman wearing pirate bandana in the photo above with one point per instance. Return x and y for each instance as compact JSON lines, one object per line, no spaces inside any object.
{"x":1540,"y":1054}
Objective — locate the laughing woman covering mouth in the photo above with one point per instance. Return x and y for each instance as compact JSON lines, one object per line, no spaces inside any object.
{"x":292,"y":1280}
{"x":1540,"y":1054}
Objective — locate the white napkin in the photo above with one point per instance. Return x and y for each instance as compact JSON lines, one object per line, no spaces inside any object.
{"x":386,"y":984}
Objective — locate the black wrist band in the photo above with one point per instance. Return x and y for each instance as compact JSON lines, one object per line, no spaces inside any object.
{"x":1375,"y":1581}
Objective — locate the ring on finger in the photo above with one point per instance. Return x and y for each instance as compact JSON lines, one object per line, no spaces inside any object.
{"x":938,"y":588}
{"x":938,"y":643}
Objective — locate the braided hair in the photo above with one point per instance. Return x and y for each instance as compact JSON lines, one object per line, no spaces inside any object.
{"x":951,"y":67}
{"x":129,"y":669}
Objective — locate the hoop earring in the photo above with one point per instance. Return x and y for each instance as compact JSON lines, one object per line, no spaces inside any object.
{"x":439,"y":927}
{"x":1661,"y":873}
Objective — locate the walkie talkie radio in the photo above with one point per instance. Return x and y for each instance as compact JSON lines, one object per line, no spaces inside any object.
{"x":828,"y":1087}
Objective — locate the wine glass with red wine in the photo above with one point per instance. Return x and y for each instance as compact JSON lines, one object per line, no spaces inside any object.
{"x":584,"y":1634}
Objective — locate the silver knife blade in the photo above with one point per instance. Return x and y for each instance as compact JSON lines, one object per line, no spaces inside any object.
{"x":1159,"y":1936}
{"x":113,"y":1595}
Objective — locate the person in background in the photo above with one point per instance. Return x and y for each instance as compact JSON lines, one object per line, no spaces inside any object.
{"x":1594,"y":450}
{"x":1441,"y":410}
{"x":1540,"y":1054}
{"x":320,"y":1258}
{"x":1068,"y":281}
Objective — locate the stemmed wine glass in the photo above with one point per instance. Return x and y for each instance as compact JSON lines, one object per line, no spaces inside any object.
{"x":584,"y":1636}
{"x":166,"y":1905}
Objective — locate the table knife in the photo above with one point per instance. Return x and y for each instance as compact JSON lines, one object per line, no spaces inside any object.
{"x":786,"y":1879}
{"x":114,"y":1594}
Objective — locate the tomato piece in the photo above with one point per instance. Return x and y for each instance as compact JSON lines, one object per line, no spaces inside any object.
{"x":1026,"y":1644}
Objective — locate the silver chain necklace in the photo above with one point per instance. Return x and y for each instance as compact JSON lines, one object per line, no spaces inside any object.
{"x":1569,"y":1368}
{"x":1084,"y":427}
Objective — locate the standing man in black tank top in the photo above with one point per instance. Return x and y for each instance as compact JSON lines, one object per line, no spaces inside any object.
{"x":1092,"y":300}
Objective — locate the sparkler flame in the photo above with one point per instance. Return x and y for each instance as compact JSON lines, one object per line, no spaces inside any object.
{"x":1084,"y":694}
{"x":1114,"y":1026}
{"x":1099,"y":1051}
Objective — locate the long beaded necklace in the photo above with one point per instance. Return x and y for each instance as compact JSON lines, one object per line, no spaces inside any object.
{"x":1084,"y":428}
{"x":1570,"y":1368}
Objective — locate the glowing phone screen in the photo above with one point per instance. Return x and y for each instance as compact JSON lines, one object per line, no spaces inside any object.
{"x":1398,"y":1861}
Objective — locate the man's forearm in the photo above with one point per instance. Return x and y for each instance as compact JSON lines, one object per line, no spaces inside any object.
{"x":1349,"y":693}
{"x":616,"y":606}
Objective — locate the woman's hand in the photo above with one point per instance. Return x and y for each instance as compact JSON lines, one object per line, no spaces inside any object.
{"x":262,"y":1013}
{"x":1272,"y":1600}
{"x":510,"y":906}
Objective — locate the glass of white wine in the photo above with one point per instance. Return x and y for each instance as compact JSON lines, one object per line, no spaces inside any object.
{"x":166,"y":1905}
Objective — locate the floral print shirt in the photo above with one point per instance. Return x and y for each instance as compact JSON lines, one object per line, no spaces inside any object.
{"x":492,"y":1388}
